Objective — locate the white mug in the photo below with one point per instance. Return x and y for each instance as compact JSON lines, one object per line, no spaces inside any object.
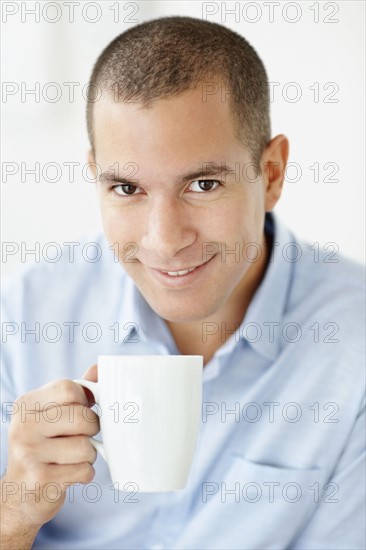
{"x":150,"y":412}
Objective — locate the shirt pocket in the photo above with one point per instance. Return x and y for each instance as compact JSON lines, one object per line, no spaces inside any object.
{"x":265,"y":506}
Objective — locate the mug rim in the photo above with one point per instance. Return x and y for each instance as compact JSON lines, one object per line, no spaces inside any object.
{"x":148,"y":356}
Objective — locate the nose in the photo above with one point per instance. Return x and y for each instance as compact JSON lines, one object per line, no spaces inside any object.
{"x":167,"y":229}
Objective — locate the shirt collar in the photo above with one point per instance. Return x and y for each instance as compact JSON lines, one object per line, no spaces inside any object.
{"x":267,"y":306}
{"x":269,"y":301}
{"x":139,"y":318}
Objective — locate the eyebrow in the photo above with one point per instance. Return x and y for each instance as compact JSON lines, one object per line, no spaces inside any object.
{"x":109,"y":175}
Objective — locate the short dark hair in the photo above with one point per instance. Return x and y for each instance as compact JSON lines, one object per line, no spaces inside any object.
{"x":165,"y":56}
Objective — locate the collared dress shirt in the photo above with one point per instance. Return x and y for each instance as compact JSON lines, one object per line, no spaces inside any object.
{"x":280,"y":456}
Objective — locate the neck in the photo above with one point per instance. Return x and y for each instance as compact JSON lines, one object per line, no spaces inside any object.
{"x":206,"y":336}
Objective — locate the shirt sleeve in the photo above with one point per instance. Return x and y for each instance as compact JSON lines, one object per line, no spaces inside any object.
{"x":339,"y":521}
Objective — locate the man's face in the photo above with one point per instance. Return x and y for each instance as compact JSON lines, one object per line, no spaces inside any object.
{"x":177,"y":224}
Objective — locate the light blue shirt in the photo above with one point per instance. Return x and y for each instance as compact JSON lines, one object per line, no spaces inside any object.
{"x":280,"y":457}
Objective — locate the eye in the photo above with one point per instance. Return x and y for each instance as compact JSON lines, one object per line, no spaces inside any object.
{"x":125,"y":189}
{"x":202,"y":186}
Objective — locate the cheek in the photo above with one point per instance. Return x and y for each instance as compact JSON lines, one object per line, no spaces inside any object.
{"x":116,"y":224}
{"x":235,"y":222}
{"x":120,"y":235}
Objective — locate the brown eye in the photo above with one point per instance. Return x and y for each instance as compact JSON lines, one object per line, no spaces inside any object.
{"x":206,"y":185}
{"x":200,"y":186}
{"x":125,"y":189}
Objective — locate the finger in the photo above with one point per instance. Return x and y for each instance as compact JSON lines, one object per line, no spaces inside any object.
{"x":67,"y":450}
{"x":67,"y":474}
{"x":90,"y":374}
{"x":49,"y":395}
{"x":67,"y":420}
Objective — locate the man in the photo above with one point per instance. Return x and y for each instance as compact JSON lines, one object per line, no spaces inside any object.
{"x":187,"y":176}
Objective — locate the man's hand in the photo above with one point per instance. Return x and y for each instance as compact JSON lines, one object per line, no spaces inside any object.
{"x":49,"y":450}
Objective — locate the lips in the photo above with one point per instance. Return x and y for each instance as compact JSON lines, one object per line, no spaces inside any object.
{"x":178,"y":273}
{"x":181,"y":278}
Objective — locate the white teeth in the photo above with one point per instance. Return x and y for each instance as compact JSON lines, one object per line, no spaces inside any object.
{"x":177,"y":273}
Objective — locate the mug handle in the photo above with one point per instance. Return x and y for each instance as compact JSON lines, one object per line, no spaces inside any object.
{"x":94,"y":388}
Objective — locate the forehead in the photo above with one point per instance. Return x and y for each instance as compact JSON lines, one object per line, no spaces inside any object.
{"x":189,"y":123}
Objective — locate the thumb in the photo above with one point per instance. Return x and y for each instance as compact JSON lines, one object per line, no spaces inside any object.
{"x":91,"y":374}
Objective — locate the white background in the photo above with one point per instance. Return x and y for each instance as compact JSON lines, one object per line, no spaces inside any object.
{"x":302,"y":44}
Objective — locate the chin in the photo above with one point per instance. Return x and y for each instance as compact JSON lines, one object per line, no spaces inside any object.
{"x":183,"y":313}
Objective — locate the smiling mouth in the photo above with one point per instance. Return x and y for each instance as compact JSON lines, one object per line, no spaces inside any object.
{"x":178,"y":273}
{"x":182,"y":272}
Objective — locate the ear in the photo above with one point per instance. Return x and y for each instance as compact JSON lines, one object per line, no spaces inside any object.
{"x":273,"y":165}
